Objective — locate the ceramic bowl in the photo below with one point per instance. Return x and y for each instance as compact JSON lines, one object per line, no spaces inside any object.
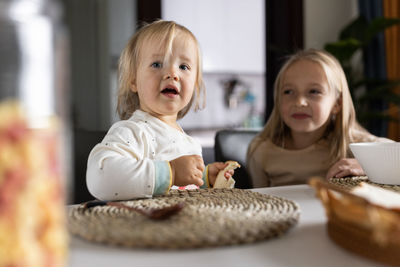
{"x":380,"y":161}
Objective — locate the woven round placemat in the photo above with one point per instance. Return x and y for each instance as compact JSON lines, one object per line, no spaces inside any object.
{"x":351,"y":182}
{"x":210,"y":217}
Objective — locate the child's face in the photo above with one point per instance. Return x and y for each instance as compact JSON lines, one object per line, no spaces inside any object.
{"x":165,"y":84}
{"x":306,"y":101}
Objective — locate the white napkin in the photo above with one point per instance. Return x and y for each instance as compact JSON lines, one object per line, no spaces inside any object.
{"x":378,"y":196}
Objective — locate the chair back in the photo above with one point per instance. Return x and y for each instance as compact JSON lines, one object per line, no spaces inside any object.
{"x":232,"y":144}
{"x":84,"y":141}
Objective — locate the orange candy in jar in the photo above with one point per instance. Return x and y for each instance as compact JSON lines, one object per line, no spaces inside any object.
{"x":32,"y":215}
{"x":33,"y":135}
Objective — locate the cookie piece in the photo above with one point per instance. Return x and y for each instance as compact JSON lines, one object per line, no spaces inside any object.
{"x":221,"y":181}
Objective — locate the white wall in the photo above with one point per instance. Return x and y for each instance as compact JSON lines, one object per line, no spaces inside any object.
{"x":231,"y":33}
{"x":323,"y":20}
{"x":122,"y":26}
{"x":217,"y":114}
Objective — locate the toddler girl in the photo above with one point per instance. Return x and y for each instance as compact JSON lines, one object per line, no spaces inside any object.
{"x":311,"y":125}
{"x":144,"y":154}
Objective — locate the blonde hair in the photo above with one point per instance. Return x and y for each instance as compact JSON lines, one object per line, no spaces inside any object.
{"x":162,"y":32}
{"x":343,"y":130}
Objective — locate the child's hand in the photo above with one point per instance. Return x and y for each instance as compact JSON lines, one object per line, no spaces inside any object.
{"x":345,"y":167}
{"x":215,"y":168}
{"x":187,"y":170}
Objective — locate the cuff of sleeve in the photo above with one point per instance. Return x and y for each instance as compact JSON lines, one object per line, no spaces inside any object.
{"x":206,"y":183}
{"x":163,"y":181}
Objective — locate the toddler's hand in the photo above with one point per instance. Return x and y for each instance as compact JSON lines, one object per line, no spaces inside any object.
{"x":215,"y":168}
{"x":187,"y":170}
{"x":345,"y":167}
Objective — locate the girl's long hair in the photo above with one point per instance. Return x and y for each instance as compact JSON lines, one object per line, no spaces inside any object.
{"x":162,"y":32}
{"x":343,"y":130}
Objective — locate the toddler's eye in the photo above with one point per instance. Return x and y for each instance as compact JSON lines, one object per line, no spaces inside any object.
{"x":315,"y":92}
{"x":184,"y":67}
{"x":156,"y":65}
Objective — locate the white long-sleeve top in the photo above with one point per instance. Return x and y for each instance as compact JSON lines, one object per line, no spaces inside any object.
{"x":132,"y":161}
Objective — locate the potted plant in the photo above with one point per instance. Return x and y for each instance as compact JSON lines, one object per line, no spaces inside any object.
{"x":365,"y":91}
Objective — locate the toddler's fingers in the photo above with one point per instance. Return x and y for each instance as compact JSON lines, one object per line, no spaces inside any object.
{"x":228,"y":174}
{"x":220,"y":165}
{"x":198,"y":182}
{"x":199,"y":163}
{"x":199,"y":159}
{"x":201,"y":167}
{"x":197,"y":175}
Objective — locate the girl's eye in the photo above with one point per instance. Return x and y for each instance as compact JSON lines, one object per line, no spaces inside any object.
{"x":156,"y":65}
{"x":184,"y":67}
{"x":287,"y":91}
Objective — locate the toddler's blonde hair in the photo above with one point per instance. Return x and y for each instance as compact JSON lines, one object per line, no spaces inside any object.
{"x":343,"y":130}
{"x":162,"y":32}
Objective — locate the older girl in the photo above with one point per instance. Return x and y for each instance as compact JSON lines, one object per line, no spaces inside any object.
{"x":311,"y":125}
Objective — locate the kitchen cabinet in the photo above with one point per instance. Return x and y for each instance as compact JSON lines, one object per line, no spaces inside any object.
{"x":231,"y":33}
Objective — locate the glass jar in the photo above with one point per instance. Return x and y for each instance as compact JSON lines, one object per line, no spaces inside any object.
{"x":34,"y":135}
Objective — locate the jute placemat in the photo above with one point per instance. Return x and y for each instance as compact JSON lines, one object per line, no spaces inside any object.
{"x":210,"y":217}
{"x":351,"y":182}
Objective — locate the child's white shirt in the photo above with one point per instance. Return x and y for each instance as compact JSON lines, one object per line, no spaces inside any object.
{"x":132,"y":161}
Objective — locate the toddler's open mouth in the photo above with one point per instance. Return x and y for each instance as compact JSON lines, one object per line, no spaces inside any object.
{"x":170,"y":91}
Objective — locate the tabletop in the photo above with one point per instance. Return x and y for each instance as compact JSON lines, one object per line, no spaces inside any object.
{"x":307,"y":244}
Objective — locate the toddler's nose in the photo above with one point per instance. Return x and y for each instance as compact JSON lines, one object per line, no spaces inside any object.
{"x":171,"y":74}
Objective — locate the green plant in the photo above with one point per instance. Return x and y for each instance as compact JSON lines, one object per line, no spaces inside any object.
{"x":365,"y":91}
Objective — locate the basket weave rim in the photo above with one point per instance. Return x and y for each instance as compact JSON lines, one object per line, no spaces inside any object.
{"x":351,"y":182}
{"x":355,"y":224}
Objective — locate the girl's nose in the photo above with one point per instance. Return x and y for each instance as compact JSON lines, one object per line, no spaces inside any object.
{"x":301,"y":101}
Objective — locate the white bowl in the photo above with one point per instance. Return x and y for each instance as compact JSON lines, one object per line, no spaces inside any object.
{"x":380,"y":161}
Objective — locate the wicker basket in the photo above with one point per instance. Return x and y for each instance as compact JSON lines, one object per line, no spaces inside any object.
{"x":359,"y":226}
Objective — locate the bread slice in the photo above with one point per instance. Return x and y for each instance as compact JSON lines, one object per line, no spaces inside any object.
{"x":221,"y":181}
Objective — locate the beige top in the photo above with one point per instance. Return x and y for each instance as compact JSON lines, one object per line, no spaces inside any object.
{"x":271,"y":165}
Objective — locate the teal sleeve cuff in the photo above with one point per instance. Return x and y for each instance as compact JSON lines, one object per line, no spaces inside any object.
{"x":163,"y":181}
{"x":206,"y":183}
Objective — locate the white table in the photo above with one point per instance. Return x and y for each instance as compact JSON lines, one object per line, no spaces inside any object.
{"x":307,"y":244}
